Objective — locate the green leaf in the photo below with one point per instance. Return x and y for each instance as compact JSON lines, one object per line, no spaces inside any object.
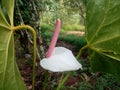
{"x":3,"y":20}
{"x":103,"y":35}
{"x":9,"y":7}
{"x":9,"y":75}
{"x":10,"y":78}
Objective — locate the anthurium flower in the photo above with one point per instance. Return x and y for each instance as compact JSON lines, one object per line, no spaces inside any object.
{"x":59,"y":59}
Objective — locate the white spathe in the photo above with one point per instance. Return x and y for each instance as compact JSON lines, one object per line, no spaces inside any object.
{"x":61,"y":60}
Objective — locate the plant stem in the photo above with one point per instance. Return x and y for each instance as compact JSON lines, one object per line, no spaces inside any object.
{"x":80,"y":51}
{"x":34,"y":47}
{"x":63,"y":80}
{"x":45,"y":80}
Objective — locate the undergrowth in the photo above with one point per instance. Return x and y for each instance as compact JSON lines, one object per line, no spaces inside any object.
{"x":64,"y":28}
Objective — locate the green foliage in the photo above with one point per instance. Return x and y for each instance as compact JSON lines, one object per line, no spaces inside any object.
{"x":103,"y":35}
{"x":78,"y":6}
{"x":85,"y":86}
{"x":75,"y":6}
{"x":96,"y":81}
{"x":46,"y":27}
{"x":53,"y":9}
{"x":106,"y":81}
{"x":9,"y":74}
{"x":102,"y":82}
{"x":73,"y":27}
{"x":79,"y":42}
{"x":9,"y":9}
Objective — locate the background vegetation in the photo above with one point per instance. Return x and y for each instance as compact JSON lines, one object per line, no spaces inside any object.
{"x":42,"y":14}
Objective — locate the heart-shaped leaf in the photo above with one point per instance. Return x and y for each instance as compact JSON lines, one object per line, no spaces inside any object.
{"x":10,"y":78}
{"x":103,"y":35}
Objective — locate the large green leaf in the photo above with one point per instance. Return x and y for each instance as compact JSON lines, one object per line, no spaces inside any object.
{"x":10,"y":78}
{"x":103,"y":35}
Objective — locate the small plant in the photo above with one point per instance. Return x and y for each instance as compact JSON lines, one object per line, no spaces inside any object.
{"x":85,"y":86}
{"x":46,"y":27}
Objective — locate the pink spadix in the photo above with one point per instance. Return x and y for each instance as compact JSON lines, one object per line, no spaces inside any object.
{"x":59,"y":59}
{"x":54,"y":38}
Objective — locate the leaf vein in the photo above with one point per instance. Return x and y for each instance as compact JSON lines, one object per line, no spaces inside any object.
{"x":101,"y":24}
{"x":111,"y":56}
{"x":4,"y":73}
{"x":105,"y":40}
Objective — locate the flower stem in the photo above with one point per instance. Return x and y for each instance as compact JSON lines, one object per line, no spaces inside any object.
{"x":45,"y":82}
{"x":54,"y":38}
{"x":34,"y":47}
{"x":63,"y":80}
{"x":80,"y":51}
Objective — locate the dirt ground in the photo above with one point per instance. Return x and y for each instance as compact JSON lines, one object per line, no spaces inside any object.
{"x":78,"y":33}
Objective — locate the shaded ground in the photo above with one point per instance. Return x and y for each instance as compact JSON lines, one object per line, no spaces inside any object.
{"x":67,"y":45}
{"x":78,"y":33}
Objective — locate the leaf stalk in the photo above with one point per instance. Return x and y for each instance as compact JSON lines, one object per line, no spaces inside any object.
{"x":34,"y":48}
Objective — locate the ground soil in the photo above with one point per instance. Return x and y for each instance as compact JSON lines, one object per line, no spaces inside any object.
{"x":78,"y":33}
